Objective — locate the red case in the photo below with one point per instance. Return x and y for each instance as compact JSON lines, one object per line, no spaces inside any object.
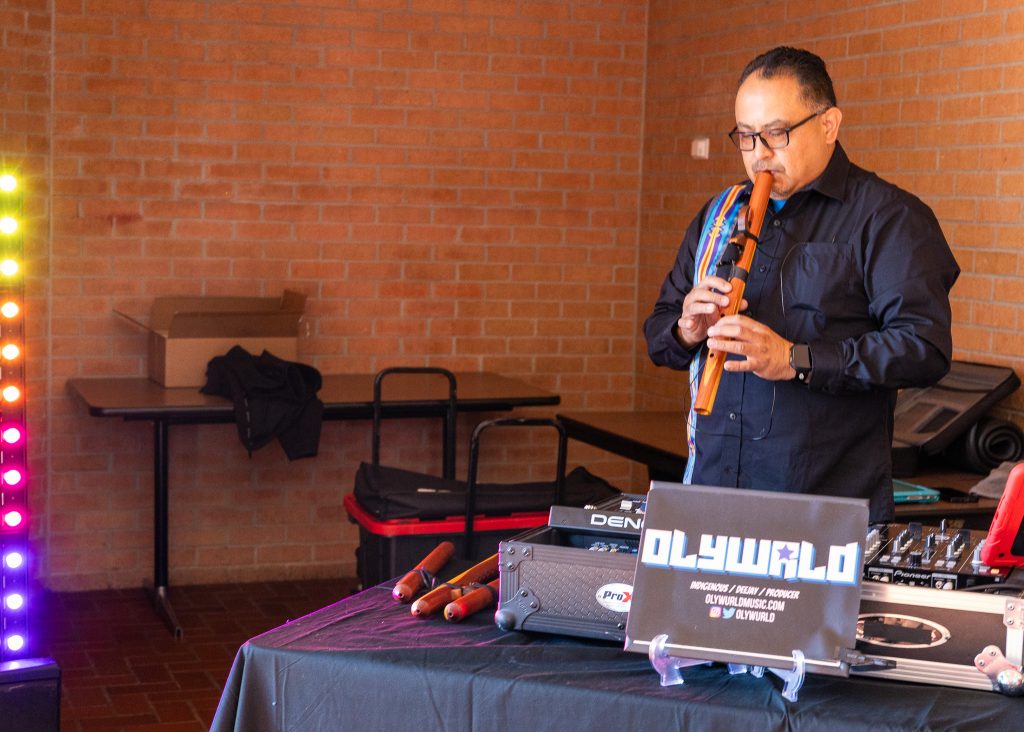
{"x":389,"y":548}
{"x":1004,"y":546}
{"x":512,"y":523}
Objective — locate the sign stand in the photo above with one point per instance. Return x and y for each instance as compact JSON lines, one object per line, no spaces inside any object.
{"x":670,"y":668}
{"x":793,"y":677}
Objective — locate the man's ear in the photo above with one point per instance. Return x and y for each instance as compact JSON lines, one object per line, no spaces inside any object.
{"x":831,"y":118}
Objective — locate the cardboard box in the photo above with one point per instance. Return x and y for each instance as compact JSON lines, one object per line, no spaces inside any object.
{"x":186,"y":332}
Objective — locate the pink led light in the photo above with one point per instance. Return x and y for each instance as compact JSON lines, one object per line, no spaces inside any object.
{"x":13,"y":518}
{"x":10,"y":435}
{"x":12,"y":477}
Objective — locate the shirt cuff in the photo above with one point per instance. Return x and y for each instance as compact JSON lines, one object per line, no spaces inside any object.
{"x":826,"y":366}
{"x":678,"y":355}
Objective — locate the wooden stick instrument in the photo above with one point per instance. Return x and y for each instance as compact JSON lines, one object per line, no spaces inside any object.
{"x":748,"y":229}
{"x":414,"y":580}
{"x":473,"y":601}
{"x":453,"y":589}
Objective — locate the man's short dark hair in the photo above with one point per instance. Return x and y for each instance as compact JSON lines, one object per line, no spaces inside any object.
{"x":807,"y":68}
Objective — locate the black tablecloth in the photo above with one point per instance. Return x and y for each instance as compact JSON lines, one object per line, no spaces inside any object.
{"x":366,"y":663}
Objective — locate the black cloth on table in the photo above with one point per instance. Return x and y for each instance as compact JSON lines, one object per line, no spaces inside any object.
{"x":365,"y":663}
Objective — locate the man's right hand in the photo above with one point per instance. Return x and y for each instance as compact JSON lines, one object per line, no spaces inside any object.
{"x":702,"y":307}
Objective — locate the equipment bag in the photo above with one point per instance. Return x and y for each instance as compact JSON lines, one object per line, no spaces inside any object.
{"x":389,"y":493}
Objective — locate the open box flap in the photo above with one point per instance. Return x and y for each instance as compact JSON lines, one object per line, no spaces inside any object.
{"x":209,"y":317}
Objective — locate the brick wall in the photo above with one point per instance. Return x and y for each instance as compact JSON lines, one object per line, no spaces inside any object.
{"x":452,"y":183}
{"x":469,"y":184}
{"x":932,"y":96}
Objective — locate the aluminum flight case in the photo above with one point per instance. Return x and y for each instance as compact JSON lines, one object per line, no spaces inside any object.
{"x":935,"y":636}
{"x":574,"y":576}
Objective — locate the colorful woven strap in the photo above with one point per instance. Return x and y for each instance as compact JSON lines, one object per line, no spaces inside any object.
{"x":718,"y":226}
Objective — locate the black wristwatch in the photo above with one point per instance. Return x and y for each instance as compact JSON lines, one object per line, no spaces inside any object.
{"x":800,"y":360}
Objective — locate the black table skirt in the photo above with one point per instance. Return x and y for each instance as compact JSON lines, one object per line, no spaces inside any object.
{"x":365,"y":663}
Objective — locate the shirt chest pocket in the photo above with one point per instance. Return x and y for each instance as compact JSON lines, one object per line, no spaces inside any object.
{"x":823,"y":292}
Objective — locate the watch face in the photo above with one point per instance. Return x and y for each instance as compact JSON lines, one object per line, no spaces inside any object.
{"x":800,"y":357}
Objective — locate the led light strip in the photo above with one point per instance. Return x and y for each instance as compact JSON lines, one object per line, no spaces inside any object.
{"x":14,"y":554}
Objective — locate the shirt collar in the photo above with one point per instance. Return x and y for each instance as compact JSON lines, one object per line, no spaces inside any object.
{"x":832,"y":181}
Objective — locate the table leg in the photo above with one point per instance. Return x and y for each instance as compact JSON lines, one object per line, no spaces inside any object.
{"x":161,"y":460}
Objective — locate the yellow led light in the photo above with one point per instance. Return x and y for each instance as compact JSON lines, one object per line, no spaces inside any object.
{"x":10,"y":309}
{"x":8,"y":225}
{"x":11,"y":393}
{"x":8,"y":182}
{"x":10,"y":352}
{"x":8,"y":268}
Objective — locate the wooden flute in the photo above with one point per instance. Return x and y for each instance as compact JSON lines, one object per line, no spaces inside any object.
{"x":748,"y":229}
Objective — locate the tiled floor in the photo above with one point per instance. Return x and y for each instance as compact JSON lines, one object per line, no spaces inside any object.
{"x":122,"y":669}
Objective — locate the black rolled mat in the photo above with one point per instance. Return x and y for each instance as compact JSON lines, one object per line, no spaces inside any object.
{"x":988,"y":443}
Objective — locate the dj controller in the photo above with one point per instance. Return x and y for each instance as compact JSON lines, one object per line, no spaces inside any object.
{"x":944,"y":557}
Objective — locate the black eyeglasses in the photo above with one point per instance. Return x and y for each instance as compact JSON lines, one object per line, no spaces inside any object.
{"x":774,"y":139}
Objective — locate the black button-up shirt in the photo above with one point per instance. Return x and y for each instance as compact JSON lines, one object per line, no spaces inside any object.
{"x":859,"y":270}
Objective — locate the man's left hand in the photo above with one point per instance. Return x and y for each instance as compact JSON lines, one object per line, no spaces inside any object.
{"x":765,"y":353}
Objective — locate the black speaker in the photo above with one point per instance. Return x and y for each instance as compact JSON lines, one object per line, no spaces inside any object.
{"x":30,"y":695}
